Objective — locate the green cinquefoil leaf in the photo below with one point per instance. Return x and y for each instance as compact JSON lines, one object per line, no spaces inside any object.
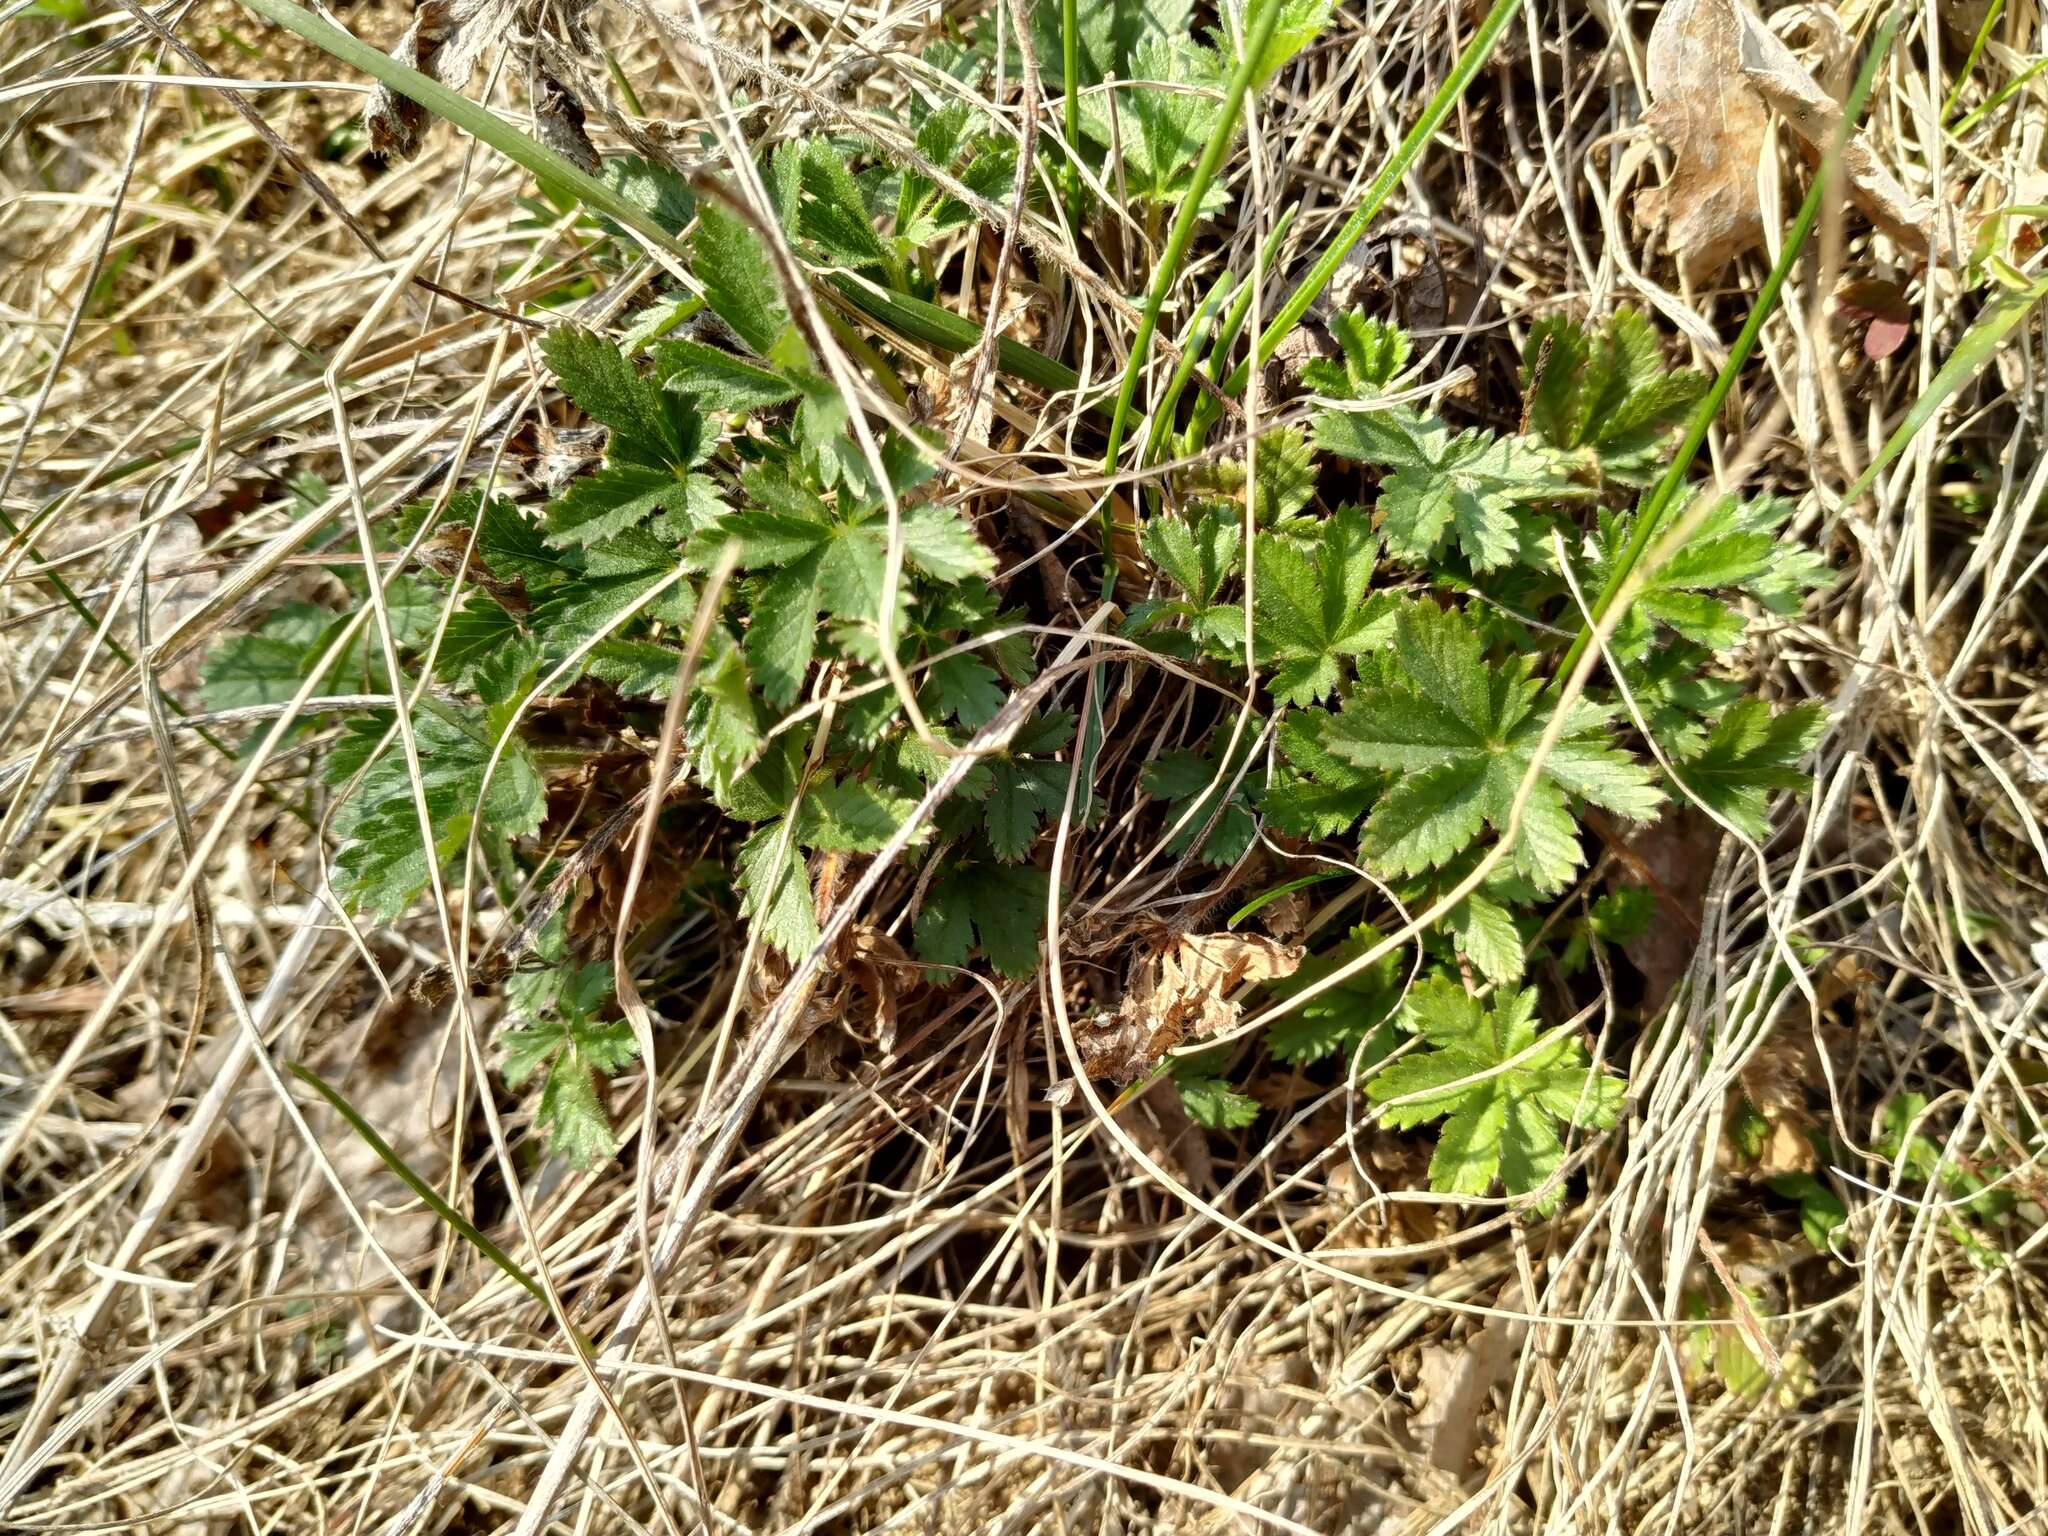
{"x":1501,"y":1095}
{"x":1460,"y":736}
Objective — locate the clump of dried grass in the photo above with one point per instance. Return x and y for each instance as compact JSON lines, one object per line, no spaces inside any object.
{"x":935,"y":1288}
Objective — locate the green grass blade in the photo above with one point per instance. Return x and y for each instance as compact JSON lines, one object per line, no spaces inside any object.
{"x":1208,"y":410}
{"x":477,"y":121}
{"x":1991,"y":14}
{"x":1191,"y":348}
{"x":1070,"y":102}
{"x":925,"y":322}
{"x":941,"y":328}
{"x":2000,"y":97}
{"x":463,"y":1226}
{"x":1167,"y":273}
{"x":1469,"y":63}
{"x":1287,"y":888}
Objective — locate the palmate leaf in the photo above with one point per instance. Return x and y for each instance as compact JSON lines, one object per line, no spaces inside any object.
{"x":836,"y":816}
{"x":1314,"y":793}
{"x":947,"y":136}
{"x":1371,"y":354}
{"x":382,"y":866}
{"x":1199,"y":553}
{"x":1197,"y":556}
{"x":1605,"y":397}
{"x":1283,"y":474}
{"x":1466,"y":484}
{"x":1748,"y":753}
{"x":1184,"y":779}
{"x":564,"y":1036}
{"x":1310,"y":608}
{"x":1357,"y":1010}
{"x":657,"y":438}
{"x":998,"y":908}
{"x":1735,"y":551}
{"x":1459,"y":736}
{"x":1501,"y":1115}
{"x":828,"y":558}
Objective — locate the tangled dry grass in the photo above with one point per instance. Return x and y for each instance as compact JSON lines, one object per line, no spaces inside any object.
{"x":934,"y":1287}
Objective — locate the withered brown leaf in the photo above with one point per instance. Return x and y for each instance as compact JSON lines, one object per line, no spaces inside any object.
{"x":1182,"y":994}
{"x":1716,"y":72}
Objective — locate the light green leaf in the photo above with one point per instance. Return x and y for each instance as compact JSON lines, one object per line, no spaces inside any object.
{"x":1749,"y":753}
{"x":1310,"y":608}
{"x":1468,"y":483}
{"x":1461,"y":735}
{"x":1214,"y":1105}
{"x":717,"y":380}
{"x":1605,"y":398}
{"x":738,"y":278}
{"x":1501,"y":1113}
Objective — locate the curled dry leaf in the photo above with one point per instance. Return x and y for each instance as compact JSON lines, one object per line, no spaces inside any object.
{"x":1182,"y":995}
{"x":1716,"y":73}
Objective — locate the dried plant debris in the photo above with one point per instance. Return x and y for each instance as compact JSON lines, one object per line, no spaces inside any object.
{"x":449,"y":38}
{"x":1183,"y":994}
{"x":1717,"y":73}
{"x":1673,"y":1137}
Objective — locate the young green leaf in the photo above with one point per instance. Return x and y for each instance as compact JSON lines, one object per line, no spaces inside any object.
{"x":577,"y":1050}
{"x":1165,"y":118}
{"x":657,"y":437}
{"x":1748,"y":753}
{"x":1735,"y":551}
{"x":1461,"y":736}
{"x":381,"y":866}
{"x":834,"y":214}
{"x":1605,"y":398}
{"x":828,"y":558}
{"x":1468,"y":483}
{"x":1371,"y":355}
{"x":1618,"y":917}
{"x":1023,"y":787}
{"x":1184,"y":779}
{"x":1501,"y":1094}
{"x":1310,"y":608}
{"x":739,"y":281}
{"x":1214,"y":1105}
